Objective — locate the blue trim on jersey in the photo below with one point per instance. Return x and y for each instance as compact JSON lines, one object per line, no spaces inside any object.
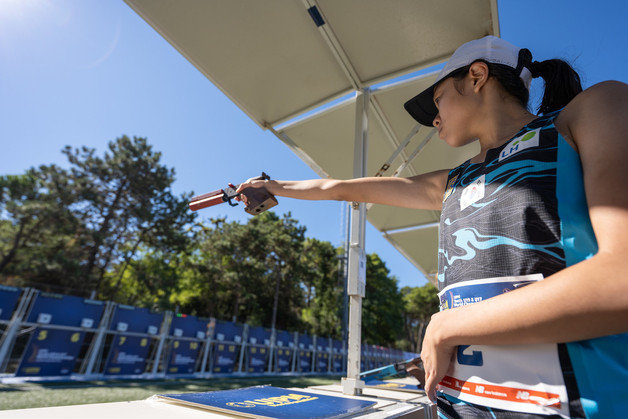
{"x":601,"y":364}
{"x":577,"y":235}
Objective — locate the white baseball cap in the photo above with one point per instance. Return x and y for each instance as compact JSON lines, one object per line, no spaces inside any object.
{"x":490,"y":49}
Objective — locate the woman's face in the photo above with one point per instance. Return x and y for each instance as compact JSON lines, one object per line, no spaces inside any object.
{"x":456,"y":111}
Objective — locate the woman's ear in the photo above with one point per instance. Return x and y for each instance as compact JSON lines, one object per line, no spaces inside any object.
{"x":478,"y":73}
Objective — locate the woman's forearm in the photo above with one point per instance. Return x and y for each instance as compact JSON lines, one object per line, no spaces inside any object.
{"x":587,"y":300}
{"x":313,"y":189}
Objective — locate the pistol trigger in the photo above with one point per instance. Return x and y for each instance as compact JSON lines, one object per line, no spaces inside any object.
{"x":233,"y":204}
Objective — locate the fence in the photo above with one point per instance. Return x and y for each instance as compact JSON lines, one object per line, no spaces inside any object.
{"x":53,"y":335}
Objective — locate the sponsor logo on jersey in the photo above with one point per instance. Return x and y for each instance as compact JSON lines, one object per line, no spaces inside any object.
{"x":472,"y":193}
{"x":450,"y":187}
{"x":529,"y":139}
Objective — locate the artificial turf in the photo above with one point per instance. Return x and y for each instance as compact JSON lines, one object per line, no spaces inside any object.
{"x":38,"y":394}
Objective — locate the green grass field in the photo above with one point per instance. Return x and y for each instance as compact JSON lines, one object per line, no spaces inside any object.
{"x":22,"y":396}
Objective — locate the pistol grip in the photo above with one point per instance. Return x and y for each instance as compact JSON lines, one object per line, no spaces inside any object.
{"x":257,"y":200}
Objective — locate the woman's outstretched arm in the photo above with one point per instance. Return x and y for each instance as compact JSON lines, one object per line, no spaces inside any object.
{"x":420,"y":192}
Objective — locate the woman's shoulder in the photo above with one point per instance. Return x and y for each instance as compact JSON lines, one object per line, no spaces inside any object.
{"x":601,"y":99}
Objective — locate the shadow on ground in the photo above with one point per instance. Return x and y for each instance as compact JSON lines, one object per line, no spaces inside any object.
{"x":29,"y":395}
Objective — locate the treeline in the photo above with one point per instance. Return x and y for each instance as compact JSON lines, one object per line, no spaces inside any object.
{"x":110,"y":227}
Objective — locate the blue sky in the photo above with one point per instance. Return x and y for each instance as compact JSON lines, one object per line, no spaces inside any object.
{"x":83,"y":72}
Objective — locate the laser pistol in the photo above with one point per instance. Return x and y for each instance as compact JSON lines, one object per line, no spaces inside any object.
{"x":256,"y":200}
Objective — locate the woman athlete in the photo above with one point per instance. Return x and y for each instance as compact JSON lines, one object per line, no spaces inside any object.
{"x":540,"y":212}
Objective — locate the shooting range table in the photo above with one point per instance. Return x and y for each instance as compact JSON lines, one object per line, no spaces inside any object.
{"x":388,"y":403}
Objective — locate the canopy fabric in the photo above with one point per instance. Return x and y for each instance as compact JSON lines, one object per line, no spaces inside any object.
{"x":270,"y":58}
{"x":277,"y":59}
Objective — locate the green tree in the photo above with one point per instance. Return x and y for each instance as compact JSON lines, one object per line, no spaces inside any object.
{"x":38,"y":233}
{"x":419,"y":303}
{"x":382,"y":314}
{"x":234,"y":270}
{"x":67,"y":228}
{"x":323,"y":300}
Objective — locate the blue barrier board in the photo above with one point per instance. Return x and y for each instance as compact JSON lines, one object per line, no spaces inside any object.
{"x":8,"y":300}
{"x":258,"y":355}
{"x":272,"y":402}
{"x":127,"y":355}
{"x":283,"y":360}
{"x":389,"y":385}
{"x":225,"y":357}
{"x":66,"y":310}
{"x":183,"y":356}
{"x":336,"y":363}
{"x":258,"y":359}
{"x":304,"y":361}
{"x":135,"y":319}
{"x":322,"y":362}
{"x":228,"y":331}
{"x":50,"y":352}
{"x":189,"y":326}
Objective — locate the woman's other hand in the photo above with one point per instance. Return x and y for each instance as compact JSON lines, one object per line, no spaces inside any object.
{"x":436,"y":354}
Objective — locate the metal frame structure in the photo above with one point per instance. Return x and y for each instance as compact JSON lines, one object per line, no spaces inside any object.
{"x":161,"y":346}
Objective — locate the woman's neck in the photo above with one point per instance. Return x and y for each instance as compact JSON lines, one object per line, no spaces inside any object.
{"x":500,"y":123}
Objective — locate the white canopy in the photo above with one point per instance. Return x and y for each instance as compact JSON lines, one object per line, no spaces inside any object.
{"x":277,"y":59}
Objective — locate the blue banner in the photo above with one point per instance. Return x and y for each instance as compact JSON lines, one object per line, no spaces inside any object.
{"x":66,"y":310}
{"x":258,"y":349}
{"x":183,"y":356}
{"x":337,"y":357}
{"x":228,"y":338}
{"x":284,"y":351}
{"x":322,"y":355}
{"x":273,"y":402}
{"x":306,"y":348}
{"x":137,"y":320}
{"x":283,"y":360}
{"x":225,"y":357}
{"x":50,"y":352}
{"x":8,"y":300}
{"x":184,"y":325}
{"x":127,"y":355}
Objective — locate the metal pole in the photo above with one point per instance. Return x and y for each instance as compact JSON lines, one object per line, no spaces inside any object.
{"x":97,"y":345}
{"x":352,"y":384}
{"x":165,"y":326}
{"x":276,"y":302}
{"x":245,"y":339}
{"x":6,"y":343}
{"x":345,"y":274}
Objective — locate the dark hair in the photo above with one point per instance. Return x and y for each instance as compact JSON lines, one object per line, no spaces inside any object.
{"x":561,"y":82}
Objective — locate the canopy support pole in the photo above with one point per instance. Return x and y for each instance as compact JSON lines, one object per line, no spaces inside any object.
{"x":356,"y":285}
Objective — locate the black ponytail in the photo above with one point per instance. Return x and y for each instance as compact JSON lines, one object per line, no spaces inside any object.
{"x":562,"y":83}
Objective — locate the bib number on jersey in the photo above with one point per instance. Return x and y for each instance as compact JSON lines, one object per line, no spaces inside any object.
{"x":522,"y":378}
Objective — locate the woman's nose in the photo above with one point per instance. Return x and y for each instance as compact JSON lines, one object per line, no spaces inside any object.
{"x":436,"y":121}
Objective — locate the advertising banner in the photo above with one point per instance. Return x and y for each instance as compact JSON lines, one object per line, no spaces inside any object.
{"x":183,"y":356}
{"x":127,"y":355}
{"x":284,"y":351}
{"x":228,"y":339}
{"x":66,"y":310}
{"x":8,"y":300}
{"x":258,"y":354}
{"x":183,"y":353}
{"x":51,"y":352}
{"x":306,"y":349}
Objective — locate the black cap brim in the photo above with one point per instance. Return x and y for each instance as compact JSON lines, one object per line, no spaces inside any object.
{"x":422,"y":108}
